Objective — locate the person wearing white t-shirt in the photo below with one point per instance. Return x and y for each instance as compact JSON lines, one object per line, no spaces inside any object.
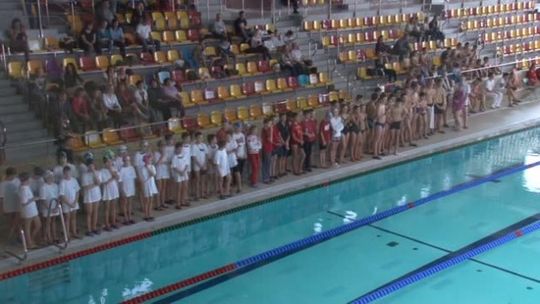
{"x":241,"y":152}
{"x":170,"y":196}
{"x":199,"y":159}
{"x":58,"y":170}
{"x":147,"y":177}
{"x":163,"y":172}
{"x":143,"y":30}
{"x":179,"y":167}
{"x":48,"y":195}
{"x":68,"y":191}
{"x":119,"y":160}
{"x":138,"y":163}
{"x":110,"y":179}
{"x":254,"y":147}
{"x":91,"y":182}
{"x":232,"y":147}
{"x":9,"y":198}
{"x":492,"y":91}
{"x":211,"y":171}
{"x":128,"y":175}
{"x":221,"y":160}
{"x":28,"y":211}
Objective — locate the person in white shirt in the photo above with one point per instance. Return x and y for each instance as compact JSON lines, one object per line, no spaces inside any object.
{"x":221,"y":160}
{"x":493,"y":92}
{"x":199,"y":159}
{"x":253,"y":151}
{"x":36,"y":181}
{"x":91,"y":182}
{"x":128,"y":175}
{"x":138,"y":163}
{"x":186,"y":139}
{"x":163,"y":173}
{"x":143,"y":30}
{"x":147,"y":176}
{"x":68,"y":191}
{"x":109,"y":181}
{"x":241,"y":151}
{"x":119,"y":160}
{"x":9,"y":198}
{"x":231,"y":148}
{"x":58,"y":170}
{"x":179,"y":167}
{"x":112,"y":105}
{"x":48,"y":195}
{"x":465,"y":112}
{"x":28,"y":210}
{"x":336,"y":123}
{"x":211,"y":172}
{"x":169,"y":153}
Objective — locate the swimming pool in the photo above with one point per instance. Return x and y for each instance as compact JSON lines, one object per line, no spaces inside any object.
{"x":342,"y":268}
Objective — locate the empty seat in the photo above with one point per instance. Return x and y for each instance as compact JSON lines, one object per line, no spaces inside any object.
{"x":15,"y":69}
{"x":93,"y":140}
{"x":111,"y":137}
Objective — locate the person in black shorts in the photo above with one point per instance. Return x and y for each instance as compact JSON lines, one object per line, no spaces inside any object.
{"x":283,"y":150}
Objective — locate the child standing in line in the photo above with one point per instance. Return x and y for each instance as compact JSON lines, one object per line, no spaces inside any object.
{"x":186,"y":147}
{"x":231,"y":148}
{"x":127,"y":179}
{"x":68,"y":191}
{"x":147,"y":178}
{"x":162,"y":174}
{"x":58,"y":170}
{"x":28,"y":211}
{"x":199,"y":158}
{"x":212,"y":171}
{"x":325,"y":139}
{"x":91,"y":182}
{"x":9,"y":196}
{"x":169,"y":153}
{"x":180,"y":165}
{"x":268,"y":150}
{"x":241,"y":153}
{"x":110,"y":179}
{"x":254,"y":149}
{"x":119,"y":160}
{"x":48,"y":194}
{"x":221,"y":160}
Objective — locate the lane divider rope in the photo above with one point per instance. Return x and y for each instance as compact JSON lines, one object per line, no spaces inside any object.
{"x":400,"y":284}
{"x":285,"y":250}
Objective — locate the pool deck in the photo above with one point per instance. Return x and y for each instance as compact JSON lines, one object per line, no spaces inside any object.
{"x":481,"y":126}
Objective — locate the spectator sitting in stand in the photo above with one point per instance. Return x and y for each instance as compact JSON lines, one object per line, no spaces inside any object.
{"x":116,"y":34}
{"x":104,"y":12}
{"x":88,"y":39}
{"x":257,"y":46}
{"x":139,"y":14}
{"x":219,"y":30}
{"x":71,"y":77}
{"x":143,"y":30}
{"x":103,"y":38}
{"x":240,"y":27}
{"x":113,"y":107}
{"x":18,"y":40}
{"x":83,"y":120}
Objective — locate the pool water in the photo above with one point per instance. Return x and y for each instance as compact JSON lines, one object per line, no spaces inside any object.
{"x":343,"y":268}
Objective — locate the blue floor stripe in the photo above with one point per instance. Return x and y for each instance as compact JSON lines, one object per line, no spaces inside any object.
{"x":273,"y":255}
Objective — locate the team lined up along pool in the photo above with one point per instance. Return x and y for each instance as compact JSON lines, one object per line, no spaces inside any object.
{"x":343,"y":268}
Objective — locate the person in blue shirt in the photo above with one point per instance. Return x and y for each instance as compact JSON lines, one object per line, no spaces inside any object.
{"x":103,"y":37}
{"x":116,"y":34}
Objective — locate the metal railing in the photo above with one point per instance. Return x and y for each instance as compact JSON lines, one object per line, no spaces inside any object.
{"x":63,"y":246}
{"x":24,"y":256}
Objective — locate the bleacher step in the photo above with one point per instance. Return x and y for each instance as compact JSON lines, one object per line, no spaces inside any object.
{"x":7,"y":99}
{"x":15,"y":108}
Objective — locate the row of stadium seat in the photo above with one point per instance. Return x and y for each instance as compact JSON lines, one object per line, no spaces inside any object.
{"x":518,"y":48}
{"x":359,"y":22}
{"x":360,"y":38}
{"x":496,"y":22}
{"x":490,"y":9}
{"x":526,"y":32}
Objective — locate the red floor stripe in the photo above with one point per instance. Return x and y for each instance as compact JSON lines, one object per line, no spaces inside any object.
{"x":72,"y":256}
{"x":182,"y":284}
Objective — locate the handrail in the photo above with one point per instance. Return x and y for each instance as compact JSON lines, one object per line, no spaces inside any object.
{"x":22,"y":258}
{"x":62,"y":221}
{"x":40,"y":20}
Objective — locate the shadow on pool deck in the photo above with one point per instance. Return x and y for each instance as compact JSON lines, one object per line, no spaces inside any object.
{"x":481,"y":126}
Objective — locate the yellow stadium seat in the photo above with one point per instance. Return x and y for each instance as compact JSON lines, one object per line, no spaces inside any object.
{"x":236,"y":91}
{"x":160,"y":25}
{"x":172,"y":24}
{"x":251,"y":67}
{"x":180,"y":36}
{"x":169,"y":15}
{"x":93,"y":140}
{"x":313,"y":101}
{"x":68,"y":60}
{"x":116,"y":59}
{"x":172,"y":56}
{"x":244,"y":47}
{"x":292,"y":105}
{"x":210,"y":51}
{"x":157,"y":16}
{"x":156,"y":35}
{"x":282,"y":84}
{"x":255,"y":111}
{"x":160,"y":57}
{"x":197,"y":97}
{"x":33,"y":66}
{"x":184,"y":23}
{"x":203,"y":120}
{"x":223,"y":93}
{"x":216,"y":118}
{"x":241,"y":69}
{"x":271,"y":86}
{"x":111,"y":137}
{"x":181,"y":15}
{"x":242,"y":113}
{"x":362,"y":74}
{"x":301,"y":103}
{"x":230,"y":114}
{"x":186,"y":100}
{"x":102,"y":62}
{"x":133,"y":79}
{"x":51,"y":43}
{"x":323,"y":78}
{"x":15,"y":69}
{"x":168,"y":37}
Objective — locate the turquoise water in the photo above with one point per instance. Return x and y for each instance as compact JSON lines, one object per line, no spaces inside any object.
{"x":335,"y":271}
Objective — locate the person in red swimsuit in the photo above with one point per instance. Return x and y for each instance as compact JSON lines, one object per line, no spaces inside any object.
{"x":297,"y":142}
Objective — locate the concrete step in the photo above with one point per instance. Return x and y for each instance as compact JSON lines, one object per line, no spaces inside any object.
{"x":17,"y":126}
{"x":15,"y":108}
{"x":17,"y":117}
{"x":10,"y":5}
{"x":6,"y":99}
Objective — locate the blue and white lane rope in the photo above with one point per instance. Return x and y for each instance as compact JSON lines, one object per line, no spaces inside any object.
{"x":413,"y":278}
